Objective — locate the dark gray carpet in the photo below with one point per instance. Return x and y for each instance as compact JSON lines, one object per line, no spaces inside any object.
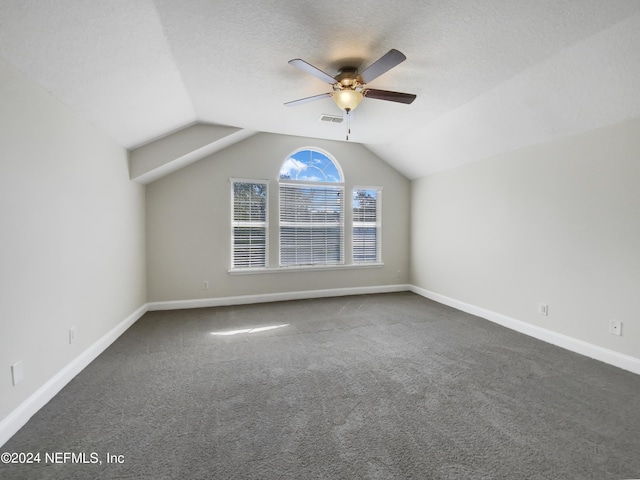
{"x":371,"y":387}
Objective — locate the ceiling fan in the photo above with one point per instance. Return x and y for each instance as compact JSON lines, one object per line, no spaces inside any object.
{"x":350,"y":86}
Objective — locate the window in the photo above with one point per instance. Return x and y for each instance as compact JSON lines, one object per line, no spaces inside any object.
{"x":366,"y":224}
{"x":311,"y":210}
{"x":249,"y":223}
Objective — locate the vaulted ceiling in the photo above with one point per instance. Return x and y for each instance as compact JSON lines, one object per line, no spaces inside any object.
{"x":491,"y":76}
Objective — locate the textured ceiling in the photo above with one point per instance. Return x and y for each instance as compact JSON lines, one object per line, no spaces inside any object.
{"x":491,"y":76}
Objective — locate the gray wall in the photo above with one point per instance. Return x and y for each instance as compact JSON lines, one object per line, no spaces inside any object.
{"x":557,"y":223}
{"x":188,"y":222}
{"x":72,"y":240}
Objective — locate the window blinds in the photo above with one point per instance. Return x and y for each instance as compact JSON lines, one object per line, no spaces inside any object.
{"x":249,"y":224}
{"x":311,"y":224}
{"x":366,"y":225}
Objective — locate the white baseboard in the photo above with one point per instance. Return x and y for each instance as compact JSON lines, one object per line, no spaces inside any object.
{"x":21,"y":415}
{"x":275,"y":297}
{"x":605,"y":355}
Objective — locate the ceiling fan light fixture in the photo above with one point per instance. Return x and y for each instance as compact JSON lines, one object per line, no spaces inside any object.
{"x":350,"y":86}
{"x":347,"y":99}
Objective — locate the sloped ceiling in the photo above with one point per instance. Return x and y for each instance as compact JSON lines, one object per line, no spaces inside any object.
{"x":491,"y":76}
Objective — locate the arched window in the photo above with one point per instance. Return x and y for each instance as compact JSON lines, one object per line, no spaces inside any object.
{"x":311,"y":209}
{"x":311,"y":166}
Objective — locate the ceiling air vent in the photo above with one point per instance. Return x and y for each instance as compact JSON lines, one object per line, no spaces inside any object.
{"x":331,"y":118}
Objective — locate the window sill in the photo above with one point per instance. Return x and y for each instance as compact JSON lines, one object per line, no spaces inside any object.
{"x":303,"y":268}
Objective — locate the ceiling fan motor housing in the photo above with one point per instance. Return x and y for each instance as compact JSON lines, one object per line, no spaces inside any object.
{"x":347,"y":78}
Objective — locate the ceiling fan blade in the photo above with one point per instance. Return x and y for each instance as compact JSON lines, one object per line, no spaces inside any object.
{"x":389,"y":60}
{"x":307,"y":100}
{"x":311,"y":70}
{"x":389,"y":96}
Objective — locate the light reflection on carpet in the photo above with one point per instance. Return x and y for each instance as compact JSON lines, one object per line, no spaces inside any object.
{"x":250,"y":330}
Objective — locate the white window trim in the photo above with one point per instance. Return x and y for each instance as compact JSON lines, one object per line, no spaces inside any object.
{"x":310,"y":183}
{"x":303,"y":268}
{"x":266,"y":222}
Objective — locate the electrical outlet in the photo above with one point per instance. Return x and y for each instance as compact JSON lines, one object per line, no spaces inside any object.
{"x":615,"y":327}
{"x":543,"y":309}
{"x":398,"y":274}
{"x":17,"y":372}
{"x":205,"y":285}
{"x":72,"y":335}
